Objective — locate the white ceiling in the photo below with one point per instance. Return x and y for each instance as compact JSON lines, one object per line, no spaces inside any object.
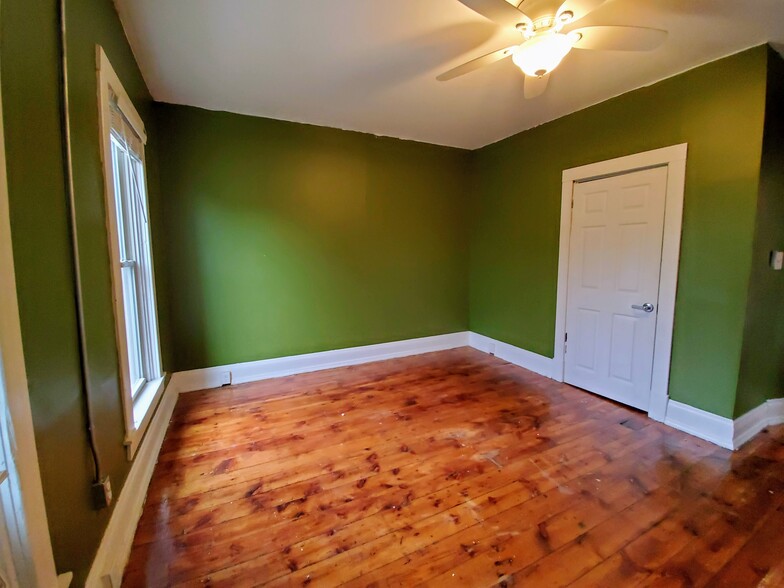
{"x":370,"y":65}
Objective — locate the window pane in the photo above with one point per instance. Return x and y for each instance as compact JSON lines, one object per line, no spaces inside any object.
{"x":126,"y":229}
{"x":133,"y":335}
{"x":144,"y":275}
{"x":124,"y":203}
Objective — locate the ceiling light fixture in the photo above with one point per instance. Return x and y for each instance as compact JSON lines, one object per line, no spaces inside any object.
{"x":543,"y":44}
{"x":542,"y":54}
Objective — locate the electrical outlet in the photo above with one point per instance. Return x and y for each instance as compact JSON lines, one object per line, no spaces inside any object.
{"x":777,"y":260}
{"x":225,"y":378}
{"x":102,"y":493}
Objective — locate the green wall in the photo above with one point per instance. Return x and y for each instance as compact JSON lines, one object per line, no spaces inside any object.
{"x":762,"y":360}
{"x":718,"y":109}
{"x":287,"y":238}
{"x":42,"y":254}
{"x":275,"y":238}
{"x":43,"y":262}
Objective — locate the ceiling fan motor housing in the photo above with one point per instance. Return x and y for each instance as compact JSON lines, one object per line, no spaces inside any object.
{"x":540,"y":9}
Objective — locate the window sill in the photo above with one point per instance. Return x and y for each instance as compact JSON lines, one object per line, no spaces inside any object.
{"x":144,"y":406}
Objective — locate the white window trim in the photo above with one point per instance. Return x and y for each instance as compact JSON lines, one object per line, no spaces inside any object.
{"x":137,"y":413}
{"x":674,"y":159}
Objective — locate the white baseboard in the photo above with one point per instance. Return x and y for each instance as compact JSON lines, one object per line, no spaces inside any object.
{"x":526,"y":359}
{"x":115,"y":547}
{"x":776,"y":411}
{"x":700,"y":423}
{"x":725,"y":432}
{"x":252,"y":371}
{"x":765,"y":415}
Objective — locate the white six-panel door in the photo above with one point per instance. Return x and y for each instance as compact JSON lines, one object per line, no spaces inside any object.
{"x":613,"y":284}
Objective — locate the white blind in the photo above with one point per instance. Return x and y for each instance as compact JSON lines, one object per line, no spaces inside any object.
{"x":123,"y":129}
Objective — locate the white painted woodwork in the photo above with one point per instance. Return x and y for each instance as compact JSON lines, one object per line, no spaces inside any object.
{"x":674,"y":158}
{"x":137,"y":407}
{"x":615,"y":258}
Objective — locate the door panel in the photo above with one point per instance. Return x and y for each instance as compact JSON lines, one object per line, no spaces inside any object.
{"x":614,"y":263}
{"x":622,"y":347}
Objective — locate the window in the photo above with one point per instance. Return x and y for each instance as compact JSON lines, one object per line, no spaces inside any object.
{"x":123,"y":139}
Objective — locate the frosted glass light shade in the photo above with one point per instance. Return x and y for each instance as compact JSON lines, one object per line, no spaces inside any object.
{"x":542,"y":54}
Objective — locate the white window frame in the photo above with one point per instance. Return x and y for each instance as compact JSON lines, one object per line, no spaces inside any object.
{"x":138,"y":405}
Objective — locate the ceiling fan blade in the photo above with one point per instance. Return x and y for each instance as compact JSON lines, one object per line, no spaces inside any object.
{"x":499,"y":11}
{"x":476,"y":64}
{"x":579,"y":8}
{"x":617,"y":38}
{"x":535,"y":86}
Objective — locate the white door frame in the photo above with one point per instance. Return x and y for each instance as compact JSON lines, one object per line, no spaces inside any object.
{"x":34,"y":561}
{"x":674,"y":158}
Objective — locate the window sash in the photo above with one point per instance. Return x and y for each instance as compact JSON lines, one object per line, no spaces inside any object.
{"x":135,"y":267}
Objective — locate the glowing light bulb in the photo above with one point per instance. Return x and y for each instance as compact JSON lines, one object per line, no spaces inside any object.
{"x":542,"y":54}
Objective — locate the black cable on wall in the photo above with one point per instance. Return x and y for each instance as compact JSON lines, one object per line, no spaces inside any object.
{"x":78,"y":292}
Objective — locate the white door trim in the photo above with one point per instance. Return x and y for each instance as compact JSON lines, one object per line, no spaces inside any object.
{"x":36,"y":567}
{"x":674,"y":158}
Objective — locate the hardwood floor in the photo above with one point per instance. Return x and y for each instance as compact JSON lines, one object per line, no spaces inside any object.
{"x":450,"y":468}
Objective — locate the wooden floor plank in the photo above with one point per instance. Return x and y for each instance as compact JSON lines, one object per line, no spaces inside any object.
{"x":448,"y":468}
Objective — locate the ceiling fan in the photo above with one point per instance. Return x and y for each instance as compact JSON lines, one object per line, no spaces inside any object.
{"x":548,"y":37}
